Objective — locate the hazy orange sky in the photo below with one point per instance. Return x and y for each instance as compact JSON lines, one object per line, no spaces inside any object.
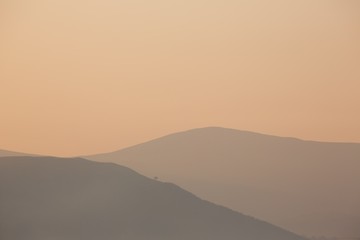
{"x":89,"y":76}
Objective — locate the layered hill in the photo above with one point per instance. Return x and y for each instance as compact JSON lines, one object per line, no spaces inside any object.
{"x":43,"y":198}
{"x":5,"y":153}
{"x":306,"y":186}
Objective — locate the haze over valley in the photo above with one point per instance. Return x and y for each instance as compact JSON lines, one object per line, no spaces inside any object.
{"x":306,"y":186}
{"x":192,"y":119}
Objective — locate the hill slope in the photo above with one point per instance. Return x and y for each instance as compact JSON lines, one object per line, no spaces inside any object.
{"x":5,"y":153}
{"x":308,"y":187}
{"x":51,"y":198}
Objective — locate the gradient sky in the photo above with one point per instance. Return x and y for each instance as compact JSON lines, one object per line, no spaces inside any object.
{"x":89,"y":76}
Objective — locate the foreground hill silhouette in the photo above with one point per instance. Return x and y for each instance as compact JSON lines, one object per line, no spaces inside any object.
{"x":43,"y":198}
{"x":305,"y":186}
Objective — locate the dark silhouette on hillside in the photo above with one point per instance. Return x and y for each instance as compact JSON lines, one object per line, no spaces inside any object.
{"x":43,"y":198}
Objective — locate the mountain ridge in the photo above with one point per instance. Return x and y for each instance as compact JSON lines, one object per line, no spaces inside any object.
{"x":215,"y":128}
{"x":56,"y":198}
{"x":224,"y":165}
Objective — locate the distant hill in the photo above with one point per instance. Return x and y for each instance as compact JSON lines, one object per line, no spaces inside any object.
{"x":43,"y":198}
{"x":309,"y":187}
{"x":4,"y":153}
